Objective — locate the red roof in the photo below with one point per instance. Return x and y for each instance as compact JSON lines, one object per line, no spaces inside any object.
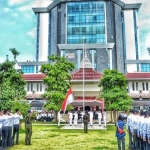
{"x":138,"y":75}
{"x":89,"y":74}
{"x":33,"y":77}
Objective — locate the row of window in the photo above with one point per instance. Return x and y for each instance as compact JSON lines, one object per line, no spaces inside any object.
{"x":85,"y":6}
{"x":91,"y":24}
{"x":92,"y":30}
{"x":37,"y":87}
{"x":145,"y":67}
{"x":28,"y":69}
{"x":135,"y":86}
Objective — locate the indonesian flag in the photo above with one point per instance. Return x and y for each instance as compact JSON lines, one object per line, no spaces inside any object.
{"x":68,"y":100}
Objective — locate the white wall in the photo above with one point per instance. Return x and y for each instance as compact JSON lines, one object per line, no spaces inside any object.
{"x":43,"y":40}
{"x":131,"y":68}
{"x":130,"y":38}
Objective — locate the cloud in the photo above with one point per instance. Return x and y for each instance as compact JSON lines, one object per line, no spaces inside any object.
{"x":43,"y":3}
{"x":16,"y":2}
{"x":25,"y":8}
{"x":28,"y":44}
{"x":32,"y":33}
{"x":6,"y":10}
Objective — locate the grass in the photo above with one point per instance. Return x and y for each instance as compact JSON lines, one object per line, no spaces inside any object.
{"x":54,"y":138}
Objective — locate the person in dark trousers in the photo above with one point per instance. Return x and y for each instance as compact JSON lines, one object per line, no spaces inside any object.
{"x":120,"y":136}
{"x":17,"y":117}
{"x":85,"y":121}
{"x":28,"y":128}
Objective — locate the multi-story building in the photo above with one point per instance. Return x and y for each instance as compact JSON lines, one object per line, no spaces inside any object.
{"x":106,"y":29}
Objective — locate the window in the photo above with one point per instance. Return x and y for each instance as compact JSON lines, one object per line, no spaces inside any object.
{"x":28,"y":87}
{"x":27,"y":69}
{"x":133,"y":88}
{"x":37,"y":87}
{"x":143,"y":85}
{"x":136,"y":86}
{"x":69,"y":55}
{"x":146,"y":86}
{"x":145,"y":67}
{"x":31,"y":86}
{"x":86,"y":19}
{"x":40,"y":86}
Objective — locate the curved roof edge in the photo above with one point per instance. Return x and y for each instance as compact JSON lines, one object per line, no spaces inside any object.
{"x":57,"y":2}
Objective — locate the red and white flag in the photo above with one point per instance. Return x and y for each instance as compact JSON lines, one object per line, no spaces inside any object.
{"x":68,"y":100}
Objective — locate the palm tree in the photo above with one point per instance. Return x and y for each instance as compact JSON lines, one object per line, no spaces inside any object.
{"x":14,"y":52}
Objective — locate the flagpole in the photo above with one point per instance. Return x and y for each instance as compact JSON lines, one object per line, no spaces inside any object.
{"x":83,"y":75}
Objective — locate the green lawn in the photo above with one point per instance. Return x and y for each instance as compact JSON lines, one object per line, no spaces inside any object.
{"x":53,"y":138}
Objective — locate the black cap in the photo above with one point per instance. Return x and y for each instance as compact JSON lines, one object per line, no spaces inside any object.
{"x":29,"y":111}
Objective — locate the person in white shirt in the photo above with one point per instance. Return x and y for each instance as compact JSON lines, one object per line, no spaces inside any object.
{"x":60,"y":118}
{"x":17,"y":117}
{"x":70,"y":118}
{"x":91,"y":117}
{"x":99,"y":117}
{"x":104,"y":117}
{"x":75,"y":118}
{"x":1,"y":121}
{"x":5,"y":125}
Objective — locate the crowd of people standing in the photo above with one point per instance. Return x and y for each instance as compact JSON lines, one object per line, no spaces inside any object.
{"x":9,"y":128}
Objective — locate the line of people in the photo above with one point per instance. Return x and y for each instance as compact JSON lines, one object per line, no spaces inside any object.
{"x":138,"y":126}
{"x":9,"y":128}
{"x":45,"y":116}
{"x":77,"y":115}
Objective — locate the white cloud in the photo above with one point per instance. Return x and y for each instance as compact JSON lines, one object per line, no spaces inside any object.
{"x":16,"y":2}
{"x":43,"y":3}
{"x":28,"y":44}
{"x":6,"y":10}
{"x":25,"y":8}
{"x":32,"y":33}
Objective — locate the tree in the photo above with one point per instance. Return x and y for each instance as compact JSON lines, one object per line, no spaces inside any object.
{"x":22,"y":106}
{"x":57,"y":81}
{"x":11,"y":84}
{"x":14,"y":52}
{"x":113,"y":89}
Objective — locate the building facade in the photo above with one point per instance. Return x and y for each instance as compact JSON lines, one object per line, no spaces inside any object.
{"x":107,"y":29}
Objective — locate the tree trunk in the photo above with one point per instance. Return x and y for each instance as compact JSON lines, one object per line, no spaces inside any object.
{"x":114,"y":115}
{"x":56,"y":116}
{"x":111,"y":116}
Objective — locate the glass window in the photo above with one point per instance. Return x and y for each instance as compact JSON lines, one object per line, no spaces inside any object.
{"x":145,"y":67}
{"x":37,"y":87}
{"x":28,"y":69}
{"x":136,"y":86}
{"x":146,"y":86}
{"x":133,"y":88}
{"x":31,"y":86}
{"x":28,"y":87}
{"x":86,"y":19}
{"x":143,"y":85}
{"x":40,"y":86}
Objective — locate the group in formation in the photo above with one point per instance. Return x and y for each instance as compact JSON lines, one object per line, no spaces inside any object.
{"x":138,"y":126}
{"x":9,"y":128}
{"x":74,"y":117}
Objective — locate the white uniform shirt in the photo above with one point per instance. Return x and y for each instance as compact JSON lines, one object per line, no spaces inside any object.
{"x":70,"y":115}
{"x":1,"y":121}
{"x":99,"y":115}
{"x":17,"y":118}
{"x":91,"y":114}
{"x":75,"y":115}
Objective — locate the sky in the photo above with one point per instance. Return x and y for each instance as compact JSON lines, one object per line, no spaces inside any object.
{"x":18,"y":27}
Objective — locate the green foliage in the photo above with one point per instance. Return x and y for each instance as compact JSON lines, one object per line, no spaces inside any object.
{"x":113,"y":89}
{"x":6,"y":104}
{"x":11,"y":83}
{"x":14,"y":52}
{"x":22,"y":106}
{"x":57,"y":81}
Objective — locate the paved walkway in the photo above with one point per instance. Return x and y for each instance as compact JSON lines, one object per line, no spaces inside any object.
{"x":80,"y":126}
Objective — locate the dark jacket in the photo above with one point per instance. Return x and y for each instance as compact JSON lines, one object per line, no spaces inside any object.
{"x":121,"y":124}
